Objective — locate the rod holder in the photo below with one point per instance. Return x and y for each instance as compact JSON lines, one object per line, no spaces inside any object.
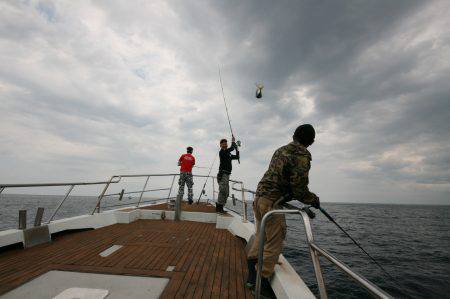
{"x":38,"y":218}
{"x":121,"y":194}
{"x":22,"y":219}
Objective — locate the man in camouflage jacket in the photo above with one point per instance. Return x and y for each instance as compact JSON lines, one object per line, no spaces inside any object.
{"x":286,"y":179}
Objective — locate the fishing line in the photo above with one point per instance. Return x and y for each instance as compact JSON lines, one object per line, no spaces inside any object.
{"x":201,"y":167}
{"x":354,"y":241}
{"x":204,"y":185}
{"x":225,"y":103}
{"x":312,"y":215}
{"x":228,"y":115}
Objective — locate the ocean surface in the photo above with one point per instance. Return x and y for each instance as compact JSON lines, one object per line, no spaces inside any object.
{"x":411,"y":242}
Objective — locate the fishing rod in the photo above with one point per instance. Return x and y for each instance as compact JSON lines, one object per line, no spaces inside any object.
{"x":354,"y":241}
{"x":201,"y":167}
{"x":228,"y":115}
{"x":206,"y":180}
{"x":225,"y":103}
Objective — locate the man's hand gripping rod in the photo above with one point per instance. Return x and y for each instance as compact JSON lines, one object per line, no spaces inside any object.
{"x":306,"y":209}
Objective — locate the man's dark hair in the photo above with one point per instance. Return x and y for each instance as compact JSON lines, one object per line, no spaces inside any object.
{"x":189,"y":149}
{"x":304,"y":134}
{"x":222,"y":141}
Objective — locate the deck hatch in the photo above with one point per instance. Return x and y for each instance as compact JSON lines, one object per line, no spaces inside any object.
{"x":110,"y":250}
{"x":59,"y":284}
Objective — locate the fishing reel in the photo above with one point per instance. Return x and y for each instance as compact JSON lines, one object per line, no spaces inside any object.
{"x":308,"y":211}
{"x":238,"y":143}
{"x":233,"y":198}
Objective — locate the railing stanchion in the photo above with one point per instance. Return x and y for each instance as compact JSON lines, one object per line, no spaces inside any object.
{"x":244,"y":204}
{"x":97,"y":206}
{"x":142,"y":193}
{"x":171,"y":186}
{"x":1,"y":189}
{"x":61,"y":203}
{"x":214,"y":190}
{"x":178,"y":208}
{"x":314,"y":256}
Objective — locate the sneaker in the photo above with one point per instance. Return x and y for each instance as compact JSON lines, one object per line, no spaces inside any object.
{"x":219,"y":208}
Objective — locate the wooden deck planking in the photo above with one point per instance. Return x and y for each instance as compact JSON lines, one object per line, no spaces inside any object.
{"x":215,"y":290}
{"x":232,"y":281}
{"x":206,"y":269}
{"x":206,"y":259}
{"x":191,"y":280}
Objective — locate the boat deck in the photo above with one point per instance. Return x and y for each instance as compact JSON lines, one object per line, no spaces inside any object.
{"x":201,"y":207}
{"x":208,"y":262}
{"x":185,"y":207}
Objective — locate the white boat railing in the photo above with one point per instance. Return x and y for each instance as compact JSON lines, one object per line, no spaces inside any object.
{"x":115,"y":179}
{"x":71,"y":185}
{"x":147,"y":177}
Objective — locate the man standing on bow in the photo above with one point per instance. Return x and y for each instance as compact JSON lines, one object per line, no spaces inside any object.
{"x":225,"y":168}
{"x":285,"y":180}
{"x":186,"y":161}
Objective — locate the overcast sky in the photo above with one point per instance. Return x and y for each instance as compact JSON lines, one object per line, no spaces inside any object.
{"x":94,"y":88}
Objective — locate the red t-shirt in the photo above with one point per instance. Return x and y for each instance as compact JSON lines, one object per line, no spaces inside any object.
{"x":187,"y":161}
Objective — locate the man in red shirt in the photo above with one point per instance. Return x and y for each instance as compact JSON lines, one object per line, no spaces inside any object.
{"x":186,"y":161}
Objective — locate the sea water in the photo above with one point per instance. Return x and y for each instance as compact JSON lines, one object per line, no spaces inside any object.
{"x":411,"y":242}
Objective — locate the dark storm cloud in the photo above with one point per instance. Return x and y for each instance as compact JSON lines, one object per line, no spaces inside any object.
{"x":116,"y":83}
{"x":309,"y":38}
{"x":385,"y":98}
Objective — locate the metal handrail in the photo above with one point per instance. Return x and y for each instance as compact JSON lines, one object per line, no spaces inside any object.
{"x":243,"y":189}
{"x":133,"y":192}
{"x":167,"y":174}
{"x":4,"y":186}
{"x":71,"y":187}
{"x":116,"y":179}
{"x":315,"y":252}
{"x":177,"y":204}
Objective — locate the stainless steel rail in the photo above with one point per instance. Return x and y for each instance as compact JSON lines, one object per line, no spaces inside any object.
{"x":134,"y":192}
{"x":315,"y":252}
{"x":71,"y":187}
{"x":4,"y":186}
{"x":177,"y":202}
{"x":118,"y":178}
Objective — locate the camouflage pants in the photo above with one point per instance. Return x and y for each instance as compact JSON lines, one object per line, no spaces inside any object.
{"x":224,"y":188}
{"x":185,"y":178}
{"x":274,"y":235}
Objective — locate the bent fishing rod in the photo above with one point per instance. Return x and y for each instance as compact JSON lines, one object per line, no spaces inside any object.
{"x":354,"y":241}
{"x":312,"y":215}
{"x":206,"y":180}
{"x":228,"y":115}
